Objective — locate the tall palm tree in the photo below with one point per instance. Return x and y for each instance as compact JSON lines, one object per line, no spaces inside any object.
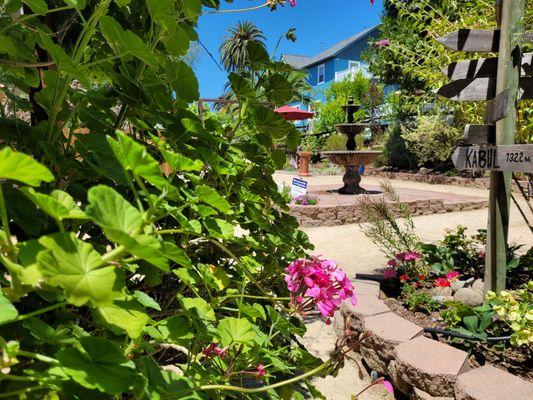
{"x":233,"y":49}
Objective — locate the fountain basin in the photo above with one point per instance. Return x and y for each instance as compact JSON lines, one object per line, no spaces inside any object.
{"x":351,"y":160}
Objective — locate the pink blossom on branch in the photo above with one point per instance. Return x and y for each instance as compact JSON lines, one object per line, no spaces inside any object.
{"x":318,"y":285}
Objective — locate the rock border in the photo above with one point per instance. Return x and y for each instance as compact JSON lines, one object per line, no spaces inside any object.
{"x":418,"y":366}
{"x":351,"y":214}
{"x":476,"y":183}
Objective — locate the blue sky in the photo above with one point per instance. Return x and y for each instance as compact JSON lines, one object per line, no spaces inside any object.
{"x":319,"y":24}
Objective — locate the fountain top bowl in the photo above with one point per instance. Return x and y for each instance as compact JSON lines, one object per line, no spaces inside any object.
{"x":352,"y":157}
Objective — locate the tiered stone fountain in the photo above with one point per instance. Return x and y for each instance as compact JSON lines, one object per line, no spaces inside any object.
{"x":351,"y":159}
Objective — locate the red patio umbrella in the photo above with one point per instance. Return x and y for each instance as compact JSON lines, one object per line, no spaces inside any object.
{"x":293,"y":113}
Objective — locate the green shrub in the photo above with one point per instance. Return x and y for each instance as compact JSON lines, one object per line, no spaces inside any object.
{"x":335,"y":142}
{"x":432,"y":139}
{"x":396,"y":152}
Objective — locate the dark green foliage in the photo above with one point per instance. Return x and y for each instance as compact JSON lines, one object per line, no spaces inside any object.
{"x":118,"y":268}
{"x":396,"y":152}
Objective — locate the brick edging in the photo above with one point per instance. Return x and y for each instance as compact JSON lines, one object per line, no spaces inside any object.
{"x":476,"y":183}
{"x":349,"y":214}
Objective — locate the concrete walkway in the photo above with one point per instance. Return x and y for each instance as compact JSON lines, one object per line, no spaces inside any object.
{"x":356,"y":253}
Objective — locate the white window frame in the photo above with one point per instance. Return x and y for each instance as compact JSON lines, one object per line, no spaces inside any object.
{"x":353,"y":65}
{"x":323,"y":68}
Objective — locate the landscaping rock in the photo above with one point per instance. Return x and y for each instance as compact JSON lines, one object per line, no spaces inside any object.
{"x":429,"y":365}
{"x":469,"y":296}
{"x":478,"y":285}
{"x":388,"y":330}
{"x":490,"y":383}
{"x":457,"y":284}
{"x":441,"y":294}
{"x":421,"y":395}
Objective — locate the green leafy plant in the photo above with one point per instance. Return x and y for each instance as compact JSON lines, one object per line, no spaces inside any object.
{"x":456,"y":251}
{"x":384,"y":228}
{"x":121,"y":274}
{"x":418,"y":300}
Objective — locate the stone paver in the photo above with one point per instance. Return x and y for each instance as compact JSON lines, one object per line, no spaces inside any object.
{"x":421,"y":395}
{"x":363,"y":287}
{"x":367,"y":305}
{"x":490,"y":383}
{"x":388,"y":330}
{"x":429,"y":365}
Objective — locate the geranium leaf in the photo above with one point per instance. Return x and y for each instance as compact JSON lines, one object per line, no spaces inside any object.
{"x":198,"y":308}
{"x":59,"y":205}
{"x":257,"y":53}
{"x":76,"y":267}
{"x":37,"y":6}
{"x":219,"y":228}
{"x":175,"y":329}
{"x":134,"y":157}
{"x":179,"y":162}
{"x":79,"y":4}
{"x":8,"y":312}
{"x":213,"y":198}
{"x":235,"y":330}
{"x":124,"y":42}
{"x":101,"y":366}
{"x":146,"y":300}
{"x":254,"y":311}
{"x":124,"y":316}
{"x":22,"y":168}
{"x":279,"y":89}
{"x":175,"y":253}
{"x":269,"y":122}
{"x":111,"y":212}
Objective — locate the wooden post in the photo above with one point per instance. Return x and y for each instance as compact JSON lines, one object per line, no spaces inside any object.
{"x":509,"y":61}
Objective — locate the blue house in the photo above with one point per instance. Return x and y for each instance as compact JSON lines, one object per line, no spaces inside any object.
{"x":334,"y":64}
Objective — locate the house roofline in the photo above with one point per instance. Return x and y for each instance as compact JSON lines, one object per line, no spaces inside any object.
{"x":320,"y":60}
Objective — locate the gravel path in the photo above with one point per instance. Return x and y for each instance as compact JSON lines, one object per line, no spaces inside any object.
{"x":355,"y":253}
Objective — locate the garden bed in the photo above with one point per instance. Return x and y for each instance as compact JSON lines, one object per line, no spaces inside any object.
{"x":517,"y":361}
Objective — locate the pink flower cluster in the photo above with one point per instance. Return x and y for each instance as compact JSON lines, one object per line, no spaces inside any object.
{"x":318,"y":284}
{"x":214,"y":350}
{"x":272,"y":4}
{"x":306,"y":200}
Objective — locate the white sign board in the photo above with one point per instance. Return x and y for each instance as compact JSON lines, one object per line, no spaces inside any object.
{"x":298,"y":187}
{"x":510,"y":158}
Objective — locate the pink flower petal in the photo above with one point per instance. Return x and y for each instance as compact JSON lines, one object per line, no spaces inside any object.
{"x":388,"y":386}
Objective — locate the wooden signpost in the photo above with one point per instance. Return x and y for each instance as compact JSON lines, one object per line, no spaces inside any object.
{"x":476,"y":40}
{"x":508,"y":158}
{"x":502,"y":81}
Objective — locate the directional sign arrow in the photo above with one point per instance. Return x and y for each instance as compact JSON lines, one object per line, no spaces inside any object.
{"x":508,"y":158}
{"x":479,"y":134}
{"x":484,"y":68}
{"x":482,"y":89}
{"x":474,"y":40}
